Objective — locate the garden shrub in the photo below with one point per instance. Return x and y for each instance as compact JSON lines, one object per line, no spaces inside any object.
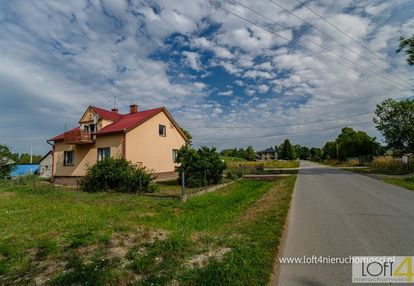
{"x":117,"y":175}
{"x":201,"y":167}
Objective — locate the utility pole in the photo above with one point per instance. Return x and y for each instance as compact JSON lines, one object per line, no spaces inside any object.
{"x":31,"y":154}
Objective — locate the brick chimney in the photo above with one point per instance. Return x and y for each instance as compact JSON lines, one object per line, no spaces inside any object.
{"x":133,"y":108}
{"x":115,"y":110}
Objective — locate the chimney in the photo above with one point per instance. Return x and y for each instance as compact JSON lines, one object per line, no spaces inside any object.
{"x":133,"y":108}
{"x":115,"y":110}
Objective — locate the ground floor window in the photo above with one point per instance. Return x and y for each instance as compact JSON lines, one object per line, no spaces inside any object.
{"x":69,"y":158}
{"x":104,"y":153}
{"x":174,"y":154}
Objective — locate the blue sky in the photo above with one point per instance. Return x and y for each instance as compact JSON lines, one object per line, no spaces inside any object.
{"x":228,"y":82}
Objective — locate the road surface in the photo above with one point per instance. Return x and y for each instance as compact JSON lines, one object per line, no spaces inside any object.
{"x":338,"y":213}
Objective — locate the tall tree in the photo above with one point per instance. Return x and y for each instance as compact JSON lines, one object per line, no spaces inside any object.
{"x":287,"y":151}
{"x":395,"y":120}
{"x":407,"y":44}
{"x":353,"y":143}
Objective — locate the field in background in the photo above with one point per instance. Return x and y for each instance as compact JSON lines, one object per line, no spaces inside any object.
{"x":232,"y":159}
{"x":66,"y":237}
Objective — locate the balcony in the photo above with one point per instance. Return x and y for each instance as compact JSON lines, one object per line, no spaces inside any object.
{"x":78,"y":137}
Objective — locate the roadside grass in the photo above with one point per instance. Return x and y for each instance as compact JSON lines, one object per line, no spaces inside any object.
{"x":62,"y":237}
{"x":407,"y":183}
{"x":173,"y":188}
{"x":265,"y":164}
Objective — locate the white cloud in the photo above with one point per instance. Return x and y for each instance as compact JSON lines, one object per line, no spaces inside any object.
{"x":263,"y":88}
{"x":226,"y":93}
{"x":193,"y":60}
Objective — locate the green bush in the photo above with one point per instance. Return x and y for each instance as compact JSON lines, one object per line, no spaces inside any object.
{"x":201,"y":167}
{"x":117,"y":175}
{"x":234,"y":175}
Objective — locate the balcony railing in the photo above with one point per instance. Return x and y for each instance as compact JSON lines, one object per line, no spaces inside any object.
{"x":78,"y":137}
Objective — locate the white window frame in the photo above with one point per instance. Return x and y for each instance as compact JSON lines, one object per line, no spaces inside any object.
{"x":102,"y":154}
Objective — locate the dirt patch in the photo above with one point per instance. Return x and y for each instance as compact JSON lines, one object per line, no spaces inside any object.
{"x":50,"y":268}
{"x":7,"y":194}
{"x":201,"y":260}
{"x":120,"y":244}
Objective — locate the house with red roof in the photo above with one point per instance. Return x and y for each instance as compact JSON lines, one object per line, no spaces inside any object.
{"x":150,"y":138}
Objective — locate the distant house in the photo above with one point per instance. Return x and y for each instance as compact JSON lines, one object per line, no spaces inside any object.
{"x":45,"y":165}
{"x":268,"y":154}
{"x":150,"y":138}
{"x":6,"y":161}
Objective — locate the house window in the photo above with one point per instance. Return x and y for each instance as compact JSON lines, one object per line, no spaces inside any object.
{"x":162,"y":130}
{"x":174,"y":154}
{"x":68,"y":158}
{"x":104,"y":153}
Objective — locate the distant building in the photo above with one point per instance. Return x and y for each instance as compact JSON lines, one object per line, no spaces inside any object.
{"x":45,"y":165}
{"x":25,"y":169}
{"x":268,"y":154}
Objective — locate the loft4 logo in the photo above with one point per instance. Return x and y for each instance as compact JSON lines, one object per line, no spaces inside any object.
{"x":382,"y":269}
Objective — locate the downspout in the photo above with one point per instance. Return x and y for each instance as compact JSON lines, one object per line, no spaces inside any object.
{"x":53,"y":158}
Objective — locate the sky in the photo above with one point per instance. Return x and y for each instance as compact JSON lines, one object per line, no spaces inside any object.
{"x":233,"y":73}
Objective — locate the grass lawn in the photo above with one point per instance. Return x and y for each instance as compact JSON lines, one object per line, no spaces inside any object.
{"x":407,"y":183}
{"x":63,"y":237}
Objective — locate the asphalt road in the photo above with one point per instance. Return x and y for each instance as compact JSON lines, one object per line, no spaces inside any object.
{"x":337,"y":213}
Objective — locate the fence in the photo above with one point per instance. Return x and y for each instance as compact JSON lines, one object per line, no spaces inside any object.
{"x":30,"y":181}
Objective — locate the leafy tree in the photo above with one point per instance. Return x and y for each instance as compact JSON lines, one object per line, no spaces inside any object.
{"x":287,"y":151}
{"x":407,"y":44}
{"x":353,"y":143}
{"x":5,"y":161}
{"x":250,"y":154}
{"x":247,"y":154}
{"x":330,"y":150}
{"x":395,"y":120}
{"x":316,"y":154}
{"x":24,"y":158}
{"x":201,"y":167}
{"x":188,"y":135}
{"x":302,"y":152}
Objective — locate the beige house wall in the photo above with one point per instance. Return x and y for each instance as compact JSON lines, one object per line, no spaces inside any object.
{"x":85,"y":154}
{"x":144,"y":144}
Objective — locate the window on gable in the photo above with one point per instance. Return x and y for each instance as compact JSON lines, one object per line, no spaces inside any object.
{"x":104,"y":153}
{"x":69,"y":158}
{"x":162,"y":131}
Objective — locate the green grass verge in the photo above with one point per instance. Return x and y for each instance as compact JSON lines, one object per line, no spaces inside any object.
{"x":66,"y":237}
{"x":407,"y":183}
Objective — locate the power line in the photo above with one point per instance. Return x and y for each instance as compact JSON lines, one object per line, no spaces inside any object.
{"x":288,"y":40}
{"x":348,"y":36}
{"x":319,"y":45}
{"x":332,"y":38}
{"x":286,"y":134}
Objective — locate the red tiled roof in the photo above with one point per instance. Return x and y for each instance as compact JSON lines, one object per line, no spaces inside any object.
{"x":60,"y":136}
{"x":129,"y":121}
{"x":106,"y":114}
{"x":122,"y":123}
